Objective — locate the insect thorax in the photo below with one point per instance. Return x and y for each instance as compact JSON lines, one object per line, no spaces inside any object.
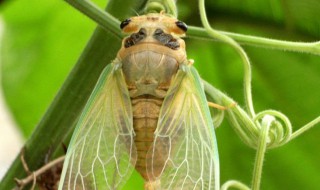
{"x":151,"y":54}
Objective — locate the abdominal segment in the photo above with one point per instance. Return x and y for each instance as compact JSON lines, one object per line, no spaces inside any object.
{"x":146,"y":111}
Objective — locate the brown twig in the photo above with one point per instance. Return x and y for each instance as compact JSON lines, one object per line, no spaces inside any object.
{"x":32,"y":177}
{"x":23,"y":161}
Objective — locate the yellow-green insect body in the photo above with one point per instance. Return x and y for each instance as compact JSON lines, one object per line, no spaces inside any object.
{"x":149,"y":112}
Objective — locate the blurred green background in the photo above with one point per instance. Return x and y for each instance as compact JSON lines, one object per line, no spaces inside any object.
{"x":44,"y":39}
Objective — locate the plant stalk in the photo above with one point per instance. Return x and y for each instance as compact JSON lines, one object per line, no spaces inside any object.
{"x":301,"y":47}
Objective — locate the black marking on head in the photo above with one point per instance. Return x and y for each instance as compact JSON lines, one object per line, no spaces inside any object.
{"x":135,"y":38}
{"x":173,"y":44}
{"x":158,"y":32}
{"x":142,"y":32}
{"x":166,"y":39}
{"x":128,"y":43}
{"x":183,"y":26}
{"x":125,"y":23}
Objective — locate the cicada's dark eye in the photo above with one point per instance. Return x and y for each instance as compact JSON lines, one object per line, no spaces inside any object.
{"x":182,"y":25}
{"x":125,"y":23}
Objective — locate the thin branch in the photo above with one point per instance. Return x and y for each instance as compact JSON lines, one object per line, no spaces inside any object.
{"x":168,"y":6}
{"x":261,"y":150}
{"x":24,"y":163}
{"x":303,"y":47}
{"x":234,"y":184}
{"x":243,"y":55}
{"x":32,"y":177}
{"x":305,"y":128}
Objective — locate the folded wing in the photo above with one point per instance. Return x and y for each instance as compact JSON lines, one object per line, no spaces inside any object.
{"x":101,"y":154}
{"x":186,"y":136}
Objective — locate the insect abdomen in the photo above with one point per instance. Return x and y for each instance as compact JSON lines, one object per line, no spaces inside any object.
{"x":146,"y":111}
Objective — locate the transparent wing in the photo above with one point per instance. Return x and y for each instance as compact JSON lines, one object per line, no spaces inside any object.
{"x":101,"y":154}
{"x":185,"y":137}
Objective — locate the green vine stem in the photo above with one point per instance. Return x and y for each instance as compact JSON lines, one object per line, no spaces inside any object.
{"x":239,"y":120}
{"x":249,"y":128}
{"x":305,"y":128}
{"x":279,"y":133}
{"x":267,"y":121}
{"x":240,"y":51}
{"x":157,"y":6}
{"x":302,"y":47}
{"x":268,"y":129}
{"x":234,"y":184}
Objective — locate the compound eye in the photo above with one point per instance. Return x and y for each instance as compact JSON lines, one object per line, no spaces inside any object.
{"x":125,"y":23}
{"x":182,"y":25}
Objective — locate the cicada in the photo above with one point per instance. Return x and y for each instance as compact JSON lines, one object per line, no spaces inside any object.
{"x":148,"y":112}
